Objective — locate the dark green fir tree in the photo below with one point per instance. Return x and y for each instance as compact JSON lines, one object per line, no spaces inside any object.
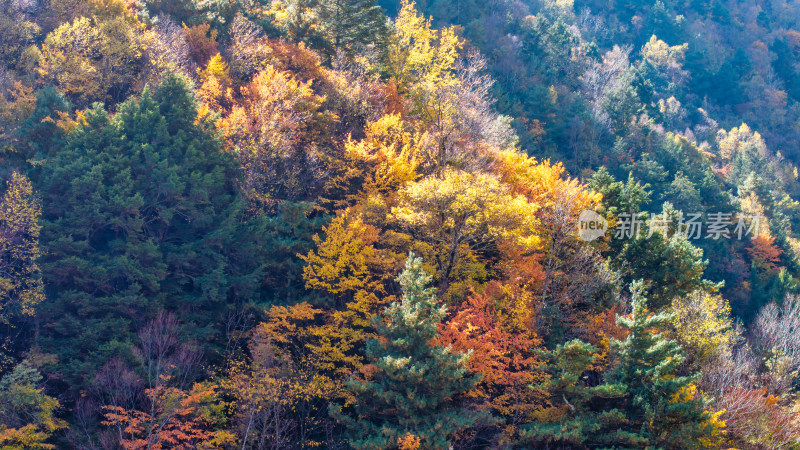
{"x":661,"y":406}
{"x":413,"y":389}
{"x":644,"y":401}
{"x":350,"y":24}
{"x":572,"y":418}
{"x":141,"y":212}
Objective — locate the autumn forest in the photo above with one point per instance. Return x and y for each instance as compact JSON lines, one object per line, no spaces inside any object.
{"x":397,"y":224}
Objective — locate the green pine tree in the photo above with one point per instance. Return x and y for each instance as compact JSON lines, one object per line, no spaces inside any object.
{"x":644,"y":402}
{"x":415,"y":382}
{"x":348,"y":24}
{"x":141,"y":214}
{"x":572,"y":418}
{"x":660,"y":404}
{"x":671,"y":266}
{"x":282,"y":236}
{"x":41,"y":131}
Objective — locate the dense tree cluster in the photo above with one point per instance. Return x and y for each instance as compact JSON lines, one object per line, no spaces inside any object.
{"x":345,"y":224}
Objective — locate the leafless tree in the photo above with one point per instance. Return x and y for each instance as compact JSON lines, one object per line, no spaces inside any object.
{"x":162,"y":353}
{"x":6,"y":82}
{"x":592,"y":25}
{"x":462,"y":127}
{"x":164,"y":360}
{"x":169,"y":48}
{"x":736,"y":370}
{"x":599,"y":80}
{"x":27,"y":7}
{"x":237,"y":323}
{"x":779,"y":327}
{"x":115,"y":385}
{"x":750,"y":382}
{"x":81,"y":435}
{"x":776,"y":338}
{"x":247,"y":52}
{"x":750,"y":417}
{"x":355,"y":94}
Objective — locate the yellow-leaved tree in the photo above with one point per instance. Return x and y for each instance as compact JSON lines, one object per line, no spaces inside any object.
{"x":215,"y":88}
{"x":573,"y":270}
{"x":299,"y":360}
{"x":419,"y":55}
{"x":702,"y":325}
{"x":739,"y":140}
{"x":27,"y":416}
{"x":20,"y":277}
{"x":265,"y":130}
{"x":342,"y":262}
{"x":389,"y":152}
{"x":95,"y":59}
{"x":462,"y":212}
{"x":347,"y":267}
{"x":447,"y":94}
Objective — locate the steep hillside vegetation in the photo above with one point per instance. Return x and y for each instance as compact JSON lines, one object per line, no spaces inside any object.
{"x":345,"y":224}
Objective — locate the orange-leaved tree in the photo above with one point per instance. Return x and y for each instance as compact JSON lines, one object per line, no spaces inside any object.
{"x":268,"y":130}
{"x":177,"y":419}
{"x":503,"y":352}
{"x":765,"y":254}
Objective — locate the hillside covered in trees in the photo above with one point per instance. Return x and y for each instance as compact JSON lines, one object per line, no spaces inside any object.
{"x":288,"y":224}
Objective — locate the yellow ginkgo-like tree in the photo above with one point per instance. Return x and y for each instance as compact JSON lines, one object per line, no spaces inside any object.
{"x":702,"y":325}
{"x":461,"y":212}
{"x":570,"y":266}
{"x":20,"y":279}
{"x":390,"y":152}
{"x":447,"y":95}
{"x":419,"y":54}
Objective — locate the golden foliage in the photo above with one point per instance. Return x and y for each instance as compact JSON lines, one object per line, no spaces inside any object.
{"x":215,"y":89}
{"x":27,"y":437}
{"x":388,"y":150}
{"x":299,"y":356}
{"x":346,"y":265}
{"x":545,"y":184}
{"x":418,"y":54}
{"x":702,"y":323}
{"x":16,"y":106}
{"x":737,"y":140}
{"x":464,"y":207}
{"x":462,"y":212}
{"x":27,"y":416}
{"x":661,"y":55}
{"x":408,"y":442}
{"x":340,"y":264}
{"x":94,"y":59}
{"x":20,"y":283}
